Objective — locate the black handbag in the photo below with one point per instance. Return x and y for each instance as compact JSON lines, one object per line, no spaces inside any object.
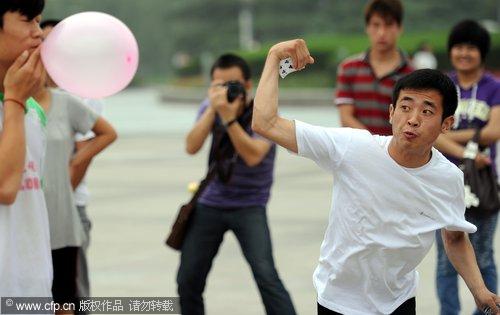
{"x":178,"y":231}
{"x":481,"y":188}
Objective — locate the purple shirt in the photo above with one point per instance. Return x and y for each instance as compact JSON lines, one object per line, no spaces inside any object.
{"x":248,"y":186}
{"x":475,"y":104}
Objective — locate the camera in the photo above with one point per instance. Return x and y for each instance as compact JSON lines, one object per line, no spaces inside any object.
{"x":234,"y":89}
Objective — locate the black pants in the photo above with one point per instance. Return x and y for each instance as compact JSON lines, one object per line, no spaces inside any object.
{"x":407,"y":308}
{"x":64,"y":283}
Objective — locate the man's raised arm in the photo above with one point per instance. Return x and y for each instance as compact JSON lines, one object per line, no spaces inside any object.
{"x":266,"y":120}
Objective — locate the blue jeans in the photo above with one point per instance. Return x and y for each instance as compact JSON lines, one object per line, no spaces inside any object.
{"x":202,"y":242}
{"x":446,"y":275}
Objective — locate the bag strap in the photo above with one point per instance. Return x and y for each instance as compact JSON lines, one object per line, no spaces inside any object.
{"x":224,"y":151}
{"x":213,"y":167}
{"x":477,"y":134}
{"x":204,"y":183}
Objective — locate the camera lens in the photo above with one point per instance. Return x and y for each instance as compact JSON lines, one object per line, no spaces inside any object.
{"x":234,"y":89}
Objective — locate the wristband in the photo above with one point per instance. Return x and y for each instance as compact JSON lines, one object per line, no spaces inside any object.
{"x":229,"y":123}
{"x":17,"y":102}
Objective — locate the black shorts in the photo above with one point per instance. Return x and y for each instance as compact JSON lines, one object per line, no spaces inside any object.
{"x":64,"y":262}
{"x":407,"y":308}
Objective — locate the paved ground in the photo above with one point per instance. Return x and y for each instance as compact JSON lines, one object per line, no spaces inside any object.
{"x":137,"y":186}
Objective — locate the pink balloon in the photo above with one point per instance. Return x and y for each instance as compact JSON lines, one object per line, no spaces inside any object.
{"x":91,"y":54}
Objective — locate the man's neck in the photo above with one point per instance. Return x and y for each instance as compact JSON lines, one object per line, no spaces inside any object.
{"x":409,"y":158}
{"x":466,"y":79}
{"x":384,"y":56}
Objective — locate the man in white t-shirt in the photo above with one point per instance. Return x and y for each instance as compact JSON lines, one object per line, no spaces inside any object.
{"x":25,"y":257}
{"x":390,"y":193}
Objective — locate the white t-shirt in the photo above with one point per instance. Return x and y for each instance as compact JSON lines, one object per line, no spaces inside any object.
{"x":25,"y":255}
{"x":82,"y":193}
{"x":382,"y":221}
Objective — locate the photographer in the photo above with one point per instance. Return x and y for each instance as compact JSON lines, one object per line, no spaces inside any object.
{"x":236,"y":198}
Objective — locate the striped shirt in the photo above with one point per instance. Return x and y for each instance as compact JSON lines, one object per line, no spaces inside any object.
{"x":371,"y":96}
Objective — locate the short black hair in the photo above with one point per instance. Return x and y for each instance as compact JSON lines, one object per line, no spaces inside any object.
{"x":429,"y":79}
{"x":470,"y":32}
{"x":28,"y":8}
{"x":389,"y":10}
{"x":49,"y":23}
{"x":227,"y":61}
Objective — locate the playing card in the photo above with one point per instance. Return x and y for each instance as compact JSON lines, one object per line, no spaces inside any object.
{"x":487,"y":310}
{"x":286,"y":67}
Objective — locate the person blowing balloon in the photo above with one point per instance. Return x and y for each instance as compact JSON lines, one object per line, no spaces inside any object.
{"x":390,"y":195}
{"x":25,"y":260}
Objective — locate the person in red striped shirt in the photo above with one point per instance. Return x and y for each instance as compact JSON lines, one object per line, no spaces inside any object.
{"x":365,"y":81}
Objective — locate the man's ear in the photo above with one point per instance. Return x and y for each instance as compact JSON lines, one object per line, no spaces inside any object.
{"x":391,"y":113}
{"x":447,"y":124}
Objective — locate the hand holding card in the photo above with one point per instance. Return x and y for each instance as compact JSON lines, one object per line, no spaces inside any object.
{"x":293,"y":55}
{"x":286,"y":67}
{"x":488,"y":311}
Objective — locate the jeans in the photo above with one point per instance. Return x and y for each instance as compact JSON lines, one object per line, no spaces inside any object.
{"x":446,"y":275}
{"x":202,"y":242}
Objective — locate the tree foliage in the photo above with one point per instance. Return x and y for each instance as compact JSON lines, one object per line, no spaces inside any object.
{"x":193,"y":27}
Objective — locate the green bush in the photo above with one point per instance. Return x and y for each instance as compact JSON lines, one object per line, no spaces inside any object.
{"x":330,"y":49}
